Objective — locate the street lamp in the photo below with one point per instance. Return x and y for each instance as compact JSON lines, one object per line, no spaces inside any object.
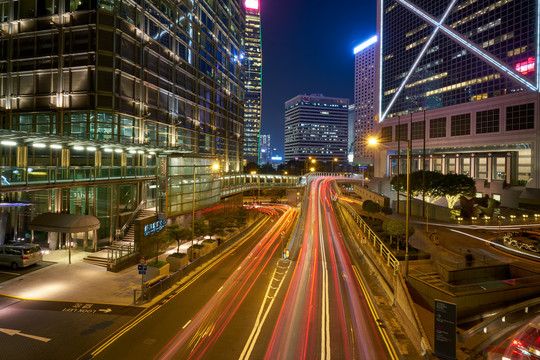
{"x":374,"y":141}
{"x":335,"y":160}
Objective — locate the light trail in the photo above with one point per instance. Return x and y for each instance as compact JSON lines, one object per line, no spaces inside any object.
{"x":325,"y":314}
{"x":206,"y":327}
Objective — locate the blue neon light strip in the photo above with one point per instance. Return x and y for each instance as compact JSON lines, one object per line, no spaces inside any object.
{"x":372,"y":40}
{"x":420,"y":55}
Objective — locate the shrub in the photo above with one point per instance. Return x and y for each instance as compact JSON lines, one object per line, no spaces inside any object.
{"x":157,"y":263}
{"x":386,"y":210}
{"x":178,"y":255}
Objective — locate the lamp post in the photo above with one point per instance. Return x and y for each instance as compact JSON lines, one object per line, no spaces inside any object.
{"x":374,"y":141}
{"x":335,"y":160}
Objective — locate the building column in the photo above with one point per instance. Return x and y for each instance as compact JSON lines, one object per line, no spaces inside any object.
{"x":508,"y":169}
{"x":444,"y":169}
{"x":430,"y":163}
{"x":458,"y":164}
{"x":489,"y":168}
{"x":473,"y":167}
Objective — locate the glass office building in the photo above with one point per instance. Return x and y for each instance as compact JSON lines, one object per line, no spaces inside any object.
{"x":110,"y":103}
{"x":316,"y":126}
{"x":460,"y":78}
{"x":253,"y":81}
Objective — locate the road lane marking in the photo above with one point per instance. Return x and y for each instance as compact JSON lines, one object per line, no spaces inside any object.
{"x":259,"y":322}
{"x":12,"y":332}
{"x":376,"y":317}
{"x":179,"y":290}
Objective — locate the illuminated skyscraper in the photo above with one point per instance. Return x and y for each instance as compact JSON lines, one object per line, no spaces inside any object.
{"x":253,"y":81}
{"x":316,"y":126}
{"x":459,"y":79}
{"x":110,"y":107}
{"x":266,"y":149}
{"x":364,"y":98}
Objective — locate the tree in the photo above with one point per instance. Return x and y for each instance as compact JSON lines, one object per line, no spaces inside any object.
{"x":240,"y":216}
{"x":371,"y":207}
{"x":435,"y":185}
{"x":201,"y":227}
{"x":160,"y":240}
{"x":217,"y":224}
{"x":178,"y":233}
{"x":397,"y":228}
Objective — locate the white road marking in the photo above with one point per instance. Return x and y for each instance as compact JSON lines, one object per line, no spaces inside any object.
{"x":12,"y":332}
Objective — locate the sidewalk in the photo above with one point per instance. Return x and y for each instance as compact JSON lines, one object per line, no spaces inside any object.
{"x":78,"y":281}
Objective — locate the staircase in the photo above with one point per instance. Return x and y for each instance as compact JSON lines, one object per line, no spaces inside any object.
{"x":121,"y":245}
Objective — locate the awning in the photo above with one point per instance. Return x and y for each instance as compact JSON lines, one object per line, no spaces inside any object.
{"x":64,"y":223}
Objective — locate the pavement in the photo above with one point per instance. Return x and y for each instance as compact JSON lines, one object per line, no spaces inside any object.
{"x":78,"y":281}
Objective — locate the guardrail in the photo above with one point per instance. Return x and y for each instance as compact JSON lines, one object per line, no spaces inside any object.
{"x":373,"y":239}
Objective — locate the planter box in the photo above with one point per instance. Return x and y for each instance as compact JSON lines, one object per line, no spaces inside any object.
{"x":176,"y":262}
{"x":153,"y":272}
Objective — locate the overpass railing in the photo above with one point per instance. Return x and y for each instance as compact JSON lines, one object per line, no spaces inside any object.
{"x":236,"y":183}
{"x":30,"y":175}
{"x":373,"y":239}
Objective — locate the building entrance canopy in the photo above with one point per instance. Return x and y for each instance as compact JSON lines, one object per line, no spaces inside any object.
{"x":64,"y":223}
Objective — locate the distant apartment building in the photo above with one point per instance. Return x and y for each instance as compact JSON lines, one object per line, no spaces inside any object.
{"x":266,"y":150}
{"x":316,"y":126}
{"x":364,"y":99}
{"x":253,"y":81}
{"x":350,"y":131}
{"x":460,"y":80}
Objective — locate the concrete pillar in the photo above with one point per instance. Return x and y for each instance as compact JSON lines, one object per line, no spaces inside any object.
{"x":489,"y":168}
{"x":508,"y":169}
{"x":473,"y":167}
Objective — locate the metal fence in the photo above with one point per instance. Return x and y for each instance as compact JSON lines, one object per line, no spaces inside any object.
{"x":373,"y":239}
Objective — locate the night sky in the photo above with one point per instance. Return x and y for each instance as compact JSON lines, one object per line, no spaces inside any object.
{"x":308,"y":48}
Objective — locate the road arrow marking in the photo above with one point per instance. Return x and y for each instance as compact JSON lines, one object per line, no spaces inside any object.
{"x":12,"y":332}
{"x":105,"y":310}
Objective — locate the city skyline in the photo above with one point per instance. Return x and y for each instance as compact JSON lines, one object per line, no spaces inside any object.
{"x":297,"y":61}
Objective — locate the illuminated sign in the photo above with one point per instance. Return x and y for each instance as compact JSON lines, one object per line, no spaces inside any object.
{"x":527,"y":66}
{"x":276,"y":158}
{"x":154,"y":227}
{"x":252,"y":4}
{"x":365,"y":44}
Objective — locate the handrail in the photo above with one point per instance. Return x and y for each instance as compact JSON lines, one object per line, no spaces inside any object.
{"x":131,"y":218}
{"x":375,"y":241}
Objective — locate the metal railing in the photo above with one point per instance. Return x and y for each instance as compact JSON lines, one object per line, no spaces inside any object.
{"x":120,"y":233}
{"x":373,"y":239}
{"x":29,"y":175}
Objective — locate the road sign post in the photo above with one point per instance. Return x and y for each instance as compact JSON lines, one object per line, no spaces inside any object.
{"x":142,"y":267}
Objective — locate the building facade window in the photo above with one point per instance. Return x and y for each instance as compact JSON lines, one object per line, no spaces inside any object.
{"x":460,"y":125}
{"x":437,"y":128}
{"x":402,"y":132}
{"x":386,"y":134}
{"x":520,"y":117}
{"x":418,"y":130}
{"x":487,"y":121}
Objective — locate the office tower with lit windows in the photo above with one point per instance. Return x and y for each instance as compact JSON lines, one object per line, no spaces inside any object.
{"x":316,"y":126}
{"x":266,"y":150}
{"x":364,"y":99}
{"x":110,"y":107}
{"x":460,"y":79}
{"x":253,"y":81}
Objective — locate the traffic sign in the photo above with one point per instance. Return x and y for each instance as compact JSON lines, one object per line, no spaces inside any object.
{"x":142,"y":267}
{"x":142,"y":261}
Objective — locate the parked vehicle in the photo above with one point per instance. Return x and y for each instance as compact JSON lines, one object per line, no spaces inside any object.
{"x":20,"y":255}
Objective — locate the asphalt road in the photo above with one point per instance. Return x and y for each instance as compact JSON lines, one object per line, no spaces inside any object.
{"x":214,"y":314}
{"x":327,"y":312}
{"x":32,"y":329}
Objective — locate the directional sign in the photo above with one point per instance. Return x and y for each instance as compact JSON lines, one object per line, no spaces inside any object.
{"x":12,"y":332}
{"x":142,"y":267}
